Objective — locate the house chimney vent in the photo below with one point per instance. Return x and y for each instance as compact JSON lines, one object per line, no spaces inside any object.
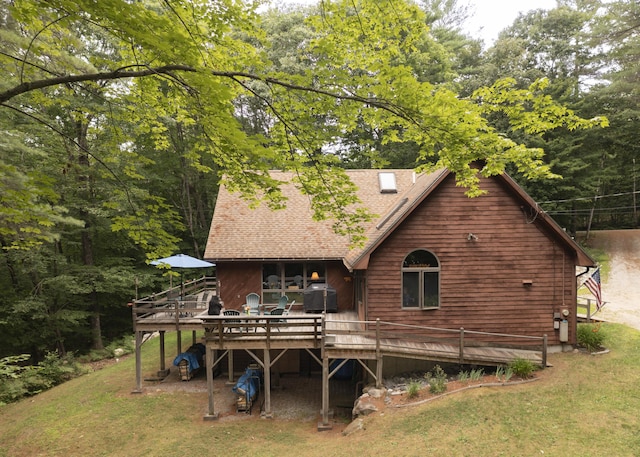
{"x":387,"y":180}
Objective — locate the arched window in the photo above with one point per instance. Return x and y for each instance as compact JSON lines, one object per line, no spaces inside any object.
{"x":421,"y":280}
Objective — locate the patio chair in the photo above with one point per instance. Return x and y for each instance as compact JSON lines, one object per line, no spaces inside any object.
{"x":273,"y":281}
{"x":288,"y":309}
{"x":232,"y":312}
{"x":253,"y":302}
{"x":282,"y":304}
{"x":277,"y":312}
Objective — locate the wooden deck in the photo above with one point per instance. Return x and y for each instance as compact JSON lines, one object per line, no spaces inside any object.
{"x":336,"y":335}
{"x":341,"y":335}
{"x":354,"y":339}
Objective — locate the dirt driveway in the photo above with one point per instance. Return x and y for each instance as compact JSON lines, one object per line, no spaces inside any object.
{"x":621,"y":287}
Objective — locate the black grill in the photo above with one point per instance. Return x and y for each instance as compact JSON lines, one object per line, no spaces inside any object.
{"x":315,"y":296}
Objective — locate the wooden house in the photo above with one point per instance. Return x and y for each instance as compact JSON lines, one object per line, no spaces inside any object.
{"x":433,"y":257}
{"x":440,"y":278}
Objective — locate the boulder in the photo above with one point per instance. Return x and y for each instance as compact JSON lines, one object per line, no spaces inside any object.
{"x":376,"y":393}
{"x":363,"y":407}
{"x":354,"y":426}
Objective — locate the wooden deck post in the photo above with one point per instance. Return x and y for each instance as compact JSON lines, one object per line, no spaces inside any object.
{"x":211,"y":414}
{"x":461,"y":345}
{"x":378,"y":356}
{"x":163,"y":372}
{"x":267,"y":384}
{"x":324,"y":424}
{"x":138,"y":388}
{"x":230,"y":367}
{"x":544,"y":351}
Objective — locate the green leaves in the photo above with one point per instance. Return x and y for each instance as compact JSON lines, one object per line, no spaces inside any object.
{"x":531,"y":110}
{"x":195,"y":67}
{"x":28,"y":210}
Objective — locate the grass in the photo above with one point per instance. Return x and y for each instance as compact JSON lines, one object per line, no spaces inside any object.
{"x":584,"y":405}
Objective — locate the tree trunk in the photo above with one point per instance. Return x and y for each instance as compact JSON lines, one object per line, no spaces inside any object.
{"x":86,"y":236}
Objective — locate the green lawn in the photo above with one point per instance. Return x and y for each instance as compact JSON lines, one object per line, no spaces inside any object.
{"x":584,"y":406}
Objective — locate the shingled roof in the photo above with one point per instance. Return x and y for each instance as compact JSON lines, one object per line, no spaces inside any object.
{"x":239,"y":232}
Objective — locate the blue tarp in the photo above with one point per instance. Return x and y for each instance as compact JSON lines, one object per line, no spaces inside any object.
{"x":248,"y":384}
{"x":193,"y":356}
{"x":346,"y":371}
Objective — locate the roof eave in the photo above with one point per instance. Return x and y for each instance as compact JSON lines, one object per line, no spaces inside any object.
{"x":583,"y":259}
{"x":362,"y":261}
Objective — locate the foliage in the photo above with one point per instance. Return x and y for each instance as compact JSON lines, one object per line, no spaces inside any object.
{"x":591,"y":336}
{"x":17,"y":381}
{"x":115,"y":349}
{"x":10,"y":367}
{"x":476,"y":374}
{"x":463,"y":376}
{"x":504,"y":373}
{"x":362,"y":70}
{"x":437,"y":380}
{"x":523,"y":368}
{"x":413,"y":389}
{"x":56,"y":370}
{"x":120,"y":120}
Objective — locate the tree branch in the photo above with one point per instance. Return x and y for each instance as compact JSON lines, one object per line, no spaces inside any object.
{"x":167,"y":70}
{"x":101,"y":76}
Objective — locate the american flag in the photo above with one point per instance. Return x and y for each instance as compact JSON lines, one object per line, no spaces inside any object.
{"x":593,"y":284}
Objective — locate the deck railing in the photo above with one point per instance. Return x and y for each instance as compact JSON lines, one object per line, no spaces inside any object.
{"x":169,"y":302}
{"x":371,"y":336}
{"x":244,"y":326}
{"x":585,"y":308}
{"x":380,"y":335}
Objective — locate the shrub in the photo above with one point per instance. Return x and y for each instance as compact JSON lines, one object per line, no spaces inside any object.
{"x":508,"y":374}
{"x":504,"y":373}
{"x":413,"y":389}
{"x":437,"y":380}
{"x":12,"y":374}
{"x":476,"y":374}
{"x":117,"y":348}
{"x":10,"y":367}
{"x":522,"y":367}
{"x":591,"y":336}
{"x":18,"y":381}
{"x":463,"y":376}
{"x":121,"y":346}
{"x":56,"y":370}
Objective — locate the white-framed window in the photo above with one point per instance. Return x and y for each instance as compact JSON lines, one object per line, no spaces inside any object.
{"x":421,"y":280}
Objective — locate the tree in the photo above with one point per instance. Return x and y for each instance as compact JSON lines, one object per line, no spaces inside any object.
{"x":121,"y":118}
{"x":181,"y":57}
{"x":558,"y":45}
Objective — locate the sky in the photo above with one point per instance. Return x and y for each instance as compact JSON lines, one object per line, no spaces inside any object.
{"x":489,"y":16}
{"x":492,"y":16}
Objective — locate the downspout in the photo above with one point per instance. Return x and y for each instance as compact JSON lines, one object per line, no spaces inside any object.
{"x":563,"y":278}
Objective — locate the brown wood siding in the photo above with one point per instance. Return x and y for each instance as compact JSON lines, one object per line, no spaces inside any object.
{"x":481,"y":282}
{"x":340,"y":279}
{"x":236,"y":280}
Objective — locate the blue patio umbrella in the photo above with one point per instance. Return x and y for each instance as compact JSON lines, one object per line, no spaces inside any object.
{"x":183,"y":261}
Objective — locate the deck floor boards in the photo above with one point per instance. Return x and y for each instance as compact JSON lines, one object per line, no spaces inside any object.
{"x":347,"y":339}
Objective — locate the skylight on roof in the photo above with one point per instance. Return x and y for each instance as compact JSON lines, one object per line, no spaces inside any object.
{"x":387,"y":180}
